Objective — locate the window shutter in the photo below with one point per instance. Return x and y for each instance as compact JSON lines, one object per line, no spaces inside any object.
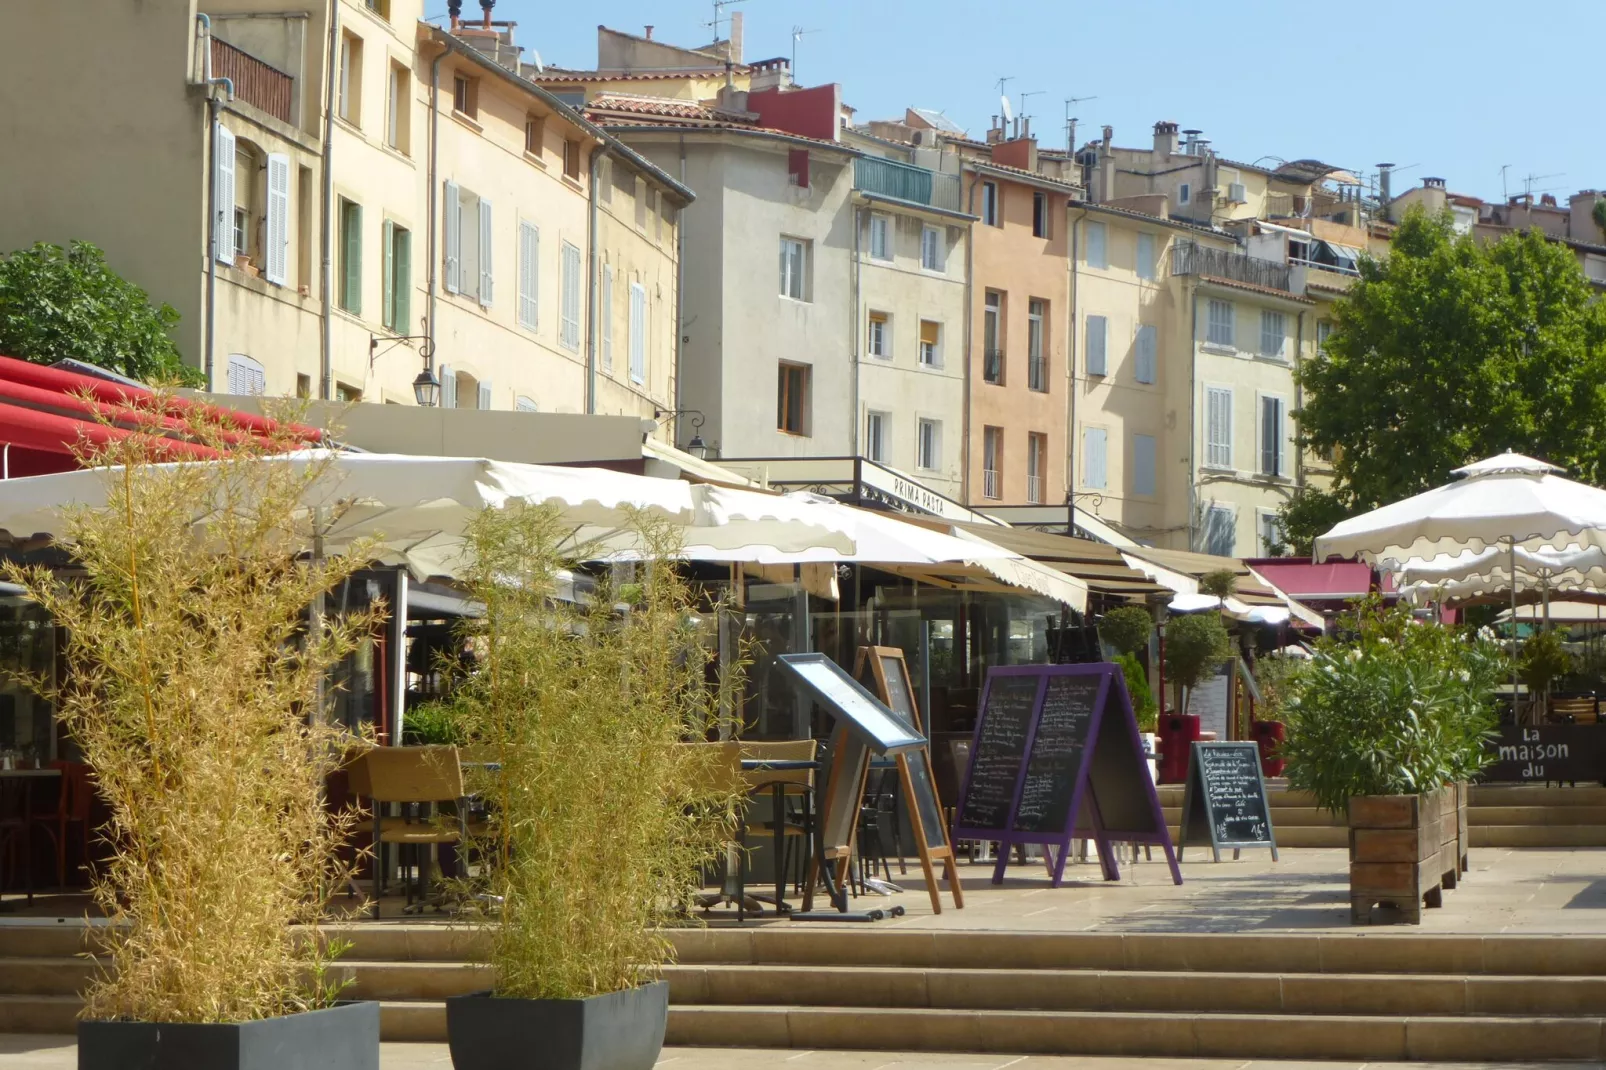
{"x":387,"y":289}
{"x":638,"y":333}
{"x":1146,"y":256}
{"x":448,"y":387}
{"x":485,"y":394}
{"x":452,"y":220}
{"x":529,"y":275}
{"x":1094,"y":439}
{"x":607,"y":317}
{"x":276,"y":233}
{"x":485,"y":253}
{"x":1096,"y":256}
{"x":1147,"y":355}
{"x":353,"y":258}
{"x":404,"y":280}
{"x":223,"y":193}
{"x":1143,"y":464}
{"x":1218,"y":427}
{"x":1271,"y":436}
{"x":1096,"y":364}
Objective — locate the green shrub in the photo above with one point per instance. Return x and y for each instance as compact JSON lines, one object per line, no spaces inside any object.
{"x":1402,"y":708}
{"x":1137,"y":687}
{"x":1127,"y":629}
{"x":432,"y":723}
{"x":1195,"y":647}
{"x":1543,"y":660}
{"x":1222,"y":583}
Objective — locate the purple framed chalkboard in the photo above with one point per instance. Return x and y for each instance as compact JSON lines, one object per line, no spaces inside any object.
{"x":1056,"y":756}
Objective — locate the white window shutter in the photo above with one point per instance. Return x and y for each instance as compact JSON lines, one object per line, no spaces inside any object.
{"x":485,"y":252}
{"x":1093,"y":439}
{"x":277,"y":231}
{"x":529,"y":275}
{"x":223,"y":192}
{"x":1096,"y":362}
{"x":452,"y":220}
{"x":485,"y":394}
{"x":1147,"y":353}
{"x":606,"y":315}
{"x":638,"y":333}
{"x":448,"y":387}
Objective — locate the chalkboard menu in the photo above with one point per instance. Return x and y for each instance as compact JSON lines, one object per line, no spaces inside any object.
{"x":999,"y":751}
{"x":1224,"y":801}
{"x":1054,"y":765}
{"x":1538,"y":754}
{"x":897,"y":683}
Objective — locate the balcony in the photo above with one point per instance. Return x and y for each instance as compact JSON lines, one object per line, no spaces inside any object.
{"x":905,"y":182}
{"x":989,"y":483}
{"x":1036,"y":372}
{"x":992,"y":365}
{"x":256,"y":83}
{"x":1188,"y":258}
{"x":1034,"y":489}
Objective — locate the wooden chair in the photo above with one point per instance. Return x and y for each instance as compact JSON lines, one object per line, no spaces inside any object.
{"x":793,"y":783}
{"x":71,"y":808}
{"x":1574,"y":710}
{"x":723,"y":774}
{"x":417,"y":778}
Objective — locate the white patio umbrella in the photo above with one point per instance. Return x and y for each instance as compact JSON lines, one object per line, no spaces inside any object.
{"x":1476,"y":574}
{"x":416,"y":508}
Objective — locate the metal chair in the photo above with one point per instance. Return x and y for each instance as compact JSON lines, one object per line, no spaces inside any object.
{"x":417,"y":779}
{"x":784,"y":827}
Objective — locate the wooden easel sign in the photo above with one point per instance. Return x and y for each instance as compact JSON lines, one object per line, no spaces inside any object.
{"x":891,"y":674}
{"x":1057,"y":750}
{"x":1224,"y":801}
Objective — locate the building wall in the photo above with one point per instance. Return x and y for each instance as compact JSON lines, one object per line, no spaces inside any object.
{"x":637,"y":238}
{"x":1020,"y":267}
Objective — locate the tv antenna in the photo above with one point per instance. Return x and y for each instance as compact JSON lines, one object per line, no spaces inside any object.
{"x":798,"y":33}
{"x":1070,"y":122}
{"x":719,"y":14}
{"x":1024,"y":117}
{"x":1529,"y":180}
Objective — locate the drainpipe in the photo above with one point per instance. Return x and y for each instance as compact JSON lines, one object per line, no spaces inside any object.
{"x":326,"y":371}
{"x":1299,"y":396}
{"x":597,"y":154}
{"x":680,"y":289}
{"x":970,"y":319}
{"x":1193,"y":405}
{"x":853,"y":329}
{"x":434,"y":194}
{"x":1070,"y":372}
{"x":205,"y":24}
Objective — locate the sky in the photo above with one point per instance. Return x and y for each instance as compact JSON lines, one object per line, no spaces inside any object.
{"x":1439,"y":88}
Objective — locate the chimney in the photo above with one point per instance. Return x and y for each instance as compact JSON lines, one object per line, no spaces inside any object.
{"x":1109,"y":135}
{"x":1190,"y":141}
{"x":1385,"y":178}
{"x":454,"y":8}
{"x":1433,"y":183}
{"x":486,"y":6}
{"x":736,"y":37}
{"x":649,"y":32}
{"x":1581,"y":225}
{"x":1165,"y":139}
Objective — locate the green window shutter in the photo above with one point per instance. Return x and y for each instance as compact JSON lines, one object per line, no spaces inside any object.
{"x":387,"y":295}
{"x":352,"y":297}
{"x":404,"y":281}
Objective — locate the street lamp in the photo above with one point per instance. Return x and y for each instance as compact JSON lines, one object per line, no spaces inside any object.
{"x":696,"y":447}
{"x":427,"y":388}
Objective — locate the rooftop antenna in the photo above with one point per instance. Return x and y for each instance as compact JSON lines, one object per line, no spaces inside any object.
{"x":1070,"y":122}
{"x":1025,"y":118}
{"x":1529,"y":180}
{"x":719,"y":14}
{"x":1004,"y":109}
{"x":798,"y":33}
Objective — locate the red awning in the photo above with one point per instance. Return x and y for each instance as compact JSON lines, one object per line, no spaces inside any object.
{"x":1330,"y":581}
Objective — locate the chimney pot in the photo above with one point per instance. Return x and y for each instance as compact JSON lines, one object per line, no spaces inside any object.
{"x":649,"y":32}
{"x":454,"y":8}
{"x":486,"y":6}
{"x":1433,"y":183}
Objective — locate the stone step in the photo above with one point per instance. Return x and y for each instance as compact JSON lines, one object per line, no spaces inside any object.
{"x":39,"y":1014}
{"x":1482,"y":795}
{"x":1536,"y":815}
{"x":1281,"y":817}
{"x":1293,"y":835}
{"x":1536,"y":835}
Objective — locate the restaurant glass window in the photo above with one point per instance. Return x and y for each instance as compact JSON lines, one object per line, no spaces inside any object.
{"x":27,"y":645}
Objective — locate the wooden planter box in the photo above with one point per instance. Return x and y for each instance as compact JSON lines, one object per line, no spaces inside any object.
{"x":1397,"y":852}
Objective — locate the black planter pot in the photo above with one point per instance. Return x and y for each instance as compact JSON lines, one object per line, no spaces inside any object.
{"x":618,"y":1031}
{"x":346,"y":1036}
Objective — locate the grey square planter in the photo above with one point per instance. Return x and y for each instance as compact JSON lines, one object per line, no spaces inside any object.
{"x":618,"y":1031}
{"x":345,"y":1036}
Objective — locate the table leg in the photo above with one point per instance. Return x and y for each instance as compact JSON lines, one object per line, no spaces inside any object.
{"x":777,"y":822}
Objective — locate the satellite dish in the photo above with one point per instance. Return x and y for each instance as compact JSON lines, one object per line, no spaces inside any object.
{"x":535,"y":58}
{"x":1009,"y":113}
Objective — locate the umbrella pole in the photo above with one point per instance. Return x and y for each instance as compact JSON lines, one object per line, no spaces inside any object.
{"x":1512,"y":546}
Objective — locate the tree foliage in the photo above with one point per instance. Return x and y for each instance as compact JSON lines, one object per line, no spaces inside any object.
{"x":60,"y":303}
{"x":1448,"y":351}
{"x":1195,"y":646}
{"x":1127,"y":628}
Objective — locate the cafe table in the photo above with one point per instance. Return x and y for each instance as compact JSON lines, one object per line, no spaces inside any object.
{"x":777,"y":789}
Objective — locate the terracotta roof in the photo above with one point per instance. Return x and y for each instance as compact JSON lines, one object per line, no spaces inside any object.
{"x":1163,"y":221}
{"x":1217,"y":280}
{"x":551,"y":75}
{"x":644,"y":123}
{"x":639,"y":105}
{"x":1024,"y":175}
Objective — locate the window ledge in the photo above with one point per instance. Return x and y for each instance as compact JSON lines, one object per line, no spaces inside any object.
{"x":1264,"y":359}
{"x":571,"y":180}
{"x":391,"y":150}
{"x":468,"y":120}
{"x":793,"y":434}
{"x":350,"y":127}
{"x":1220,"y":469}
{"x":931,"y":367}
{"x":1218,"y":347}
{"x":795,"y":300}
{"x":532,"y":158}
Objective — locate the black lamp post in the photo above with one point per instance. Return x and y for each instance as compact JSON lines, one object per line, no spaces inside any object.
{"x":696,"y":447}
{"x":427,"y":388}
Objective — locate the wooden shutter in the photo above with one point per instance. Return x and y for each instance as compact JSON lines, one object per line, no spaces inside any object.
{"x":1271,"y":436}
{"x":351,"y":218}
{"x":223,"y":193}
{"x":404,"y":280}
{"x":276,"y":232}
{"x":1218,"y":427}
{"x":452,"y":221}
{"x":485,"y":394}
{"x":1094,"y":461}
{"x":1143,"y":457}
{"x":529,"y":275}
{"x":606,"y":315}
{"x":387,"y":268}
{"x":1096,"y":362}
{"x":448,"y":387}
{"x":638,"y":333}
{"x":1147,"y":354}
{"x":485,"y":253}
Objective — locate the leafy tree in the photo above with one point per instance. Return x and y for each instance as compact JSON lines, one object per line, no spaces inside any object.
{"x":58,"y":303}
{"x":1195,"y":646}
{"x":1447,"y":351}
{"x":1221,"y":582}
{"x":1127,"y":628}
{"x":1138,"y":690}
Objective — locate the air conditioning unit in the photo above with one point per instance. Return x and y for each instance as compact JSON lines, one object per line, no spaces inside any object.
{"x":1236,"y":193}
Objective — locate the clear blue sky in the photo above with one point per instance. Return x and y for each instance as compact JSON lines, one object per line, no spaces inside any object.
{"x":1457,"y":88}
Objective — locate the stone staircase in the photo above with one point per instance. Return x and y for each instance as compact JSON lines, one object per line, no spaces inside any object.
{"x":1287,"y":996}
{"x":1498,"y":815}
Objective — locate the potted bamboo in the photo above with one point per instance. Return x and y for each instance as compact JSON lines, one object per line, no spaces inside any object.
{"x":600,"y":820}
{"x":193,"y":694}
{"x":1385,"y":728}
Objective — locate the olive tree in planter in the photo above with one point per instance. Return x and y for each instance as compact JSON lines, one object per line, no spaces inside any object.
{"x":600,"y":819}
{"x":192,"y":689}
{"x":1195,"y":647}
{"x":1382,"y":729}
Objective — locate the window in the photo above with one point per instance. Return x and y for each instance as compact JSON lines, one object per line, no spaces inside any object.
{"x":534,"y":131}
{"x":304,"y":220}
{"x":992,"y":337}
{"x":1036,"y":468}
{"x":797,"y":168}
{"x":880,"y":342}
{"x":348,"y":394}
{"x":1324,"y":330}
{"x":465,"y":95}
{"x":1145,"y":265}
{"x":1040,"y":215}
{"x":466,"y":219}
{"x":992,"y":461}
{"x":1220,"y":536}
{"x":379,"y":7}
{"x":397,"y":99}
{"x":928,"y":445}
{"x":246,"y":375}
{"x":224,"y":228}
{"x":529,"y":275}
{"x":792,"y":402}
{"x":569,"y":314}
{"x":574,"y":98}
{"x":1098,"y":255}
{"x":1272,"y":411}
{"x":605,"y":314}
{"x":604,"y":177}
{"x":395,"y":302}
{"x":880,"y":236}
{"x":1185,"y":193}
{"x":351,"y":256}
{"x":1147,"y":352}
{"x":242,"y":231}
{"x":1036,"y":361}
{"x":1094,"y":469}
{"x":991,"y":213}
{"x":524,"y":403}
{"x":1273,"y":335}
{"x":1219,"y":330}
{"x":303,"y":386}
{"x":1270,"y":538}
{"x":1218,"y":427}
{"x":794,"y":269}
{"x":933,"y":254}
{"x":638,"y":333}
{"x":1097,"y":329}
{"x":348,"y":104}
{"x":1143,"y":464}
{"x":875,"y":435}
{"x":931,"y":343}
{"x":571,"y":160}
{"x":624,"y":183}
